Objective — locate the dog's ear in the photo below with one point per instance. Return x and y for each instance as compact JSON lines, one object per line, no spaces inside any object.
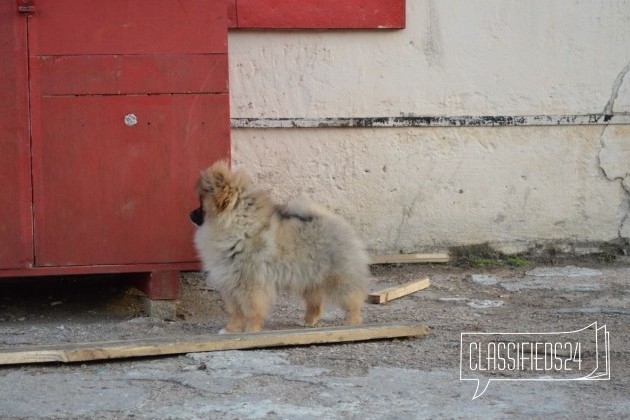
{"x":213,"y":179}
{"x":216,"y":182}
{"x":224,"y":197}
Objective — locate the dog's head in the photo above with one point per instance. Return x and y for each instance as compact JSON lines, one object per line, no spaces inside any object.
{"x":219,"y":190}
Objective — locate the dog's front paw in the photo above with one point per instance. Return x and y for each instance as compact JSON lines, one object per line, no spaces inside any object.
{"x":226,"y":331}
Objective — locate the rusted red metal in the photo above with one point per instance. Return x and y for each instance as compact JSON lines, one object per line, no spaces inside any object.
{"x":128,"y":102}
{"x":319,"y":14}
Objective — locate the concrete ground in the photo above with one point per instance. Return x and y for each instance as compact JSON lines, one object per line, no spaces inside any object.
{"x":401,"y":378}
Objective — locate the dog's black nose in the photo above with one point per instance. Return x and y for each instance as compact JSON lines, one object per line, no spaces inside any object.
{"x":196,"y":216}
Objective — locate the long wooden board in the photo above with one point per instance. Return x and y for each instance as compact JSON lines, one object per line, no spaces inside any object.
{"x":410,"y":258}
{"x":396,"y":292}
{"x":82,"y":352}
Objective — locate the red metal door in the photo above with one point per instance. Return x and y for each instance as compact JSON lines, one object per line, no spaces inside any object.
{"x":129,"y":102}
{"x":16,"y":244}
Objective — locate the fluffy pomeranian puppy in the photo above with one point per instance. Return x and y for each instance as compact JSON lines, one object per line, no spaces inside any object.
{"x":251,"y":248}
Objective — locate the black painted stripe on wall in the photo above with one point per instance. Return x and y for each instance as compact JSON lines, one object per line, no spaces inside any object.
{"x":434,"y":121}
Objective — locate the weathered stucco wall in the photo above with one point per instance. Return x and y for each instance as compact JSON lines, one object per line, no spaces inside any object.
{"x":421,"y":188}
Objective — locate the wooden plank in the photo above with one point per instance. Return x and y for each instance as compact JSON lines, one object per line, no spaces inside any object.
{"x":410,"y":258}
{"x":82,"y":352}
{"x":396,"y":292}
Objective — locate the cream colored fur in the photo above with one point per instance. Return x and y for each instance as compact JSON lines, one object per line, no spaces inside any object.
{"x":251,"y":248}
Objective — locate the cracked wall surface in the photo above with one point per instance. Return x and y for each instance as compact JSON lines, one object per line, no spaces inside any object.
{"x":614,"y":158}
{"x":421,"y":188}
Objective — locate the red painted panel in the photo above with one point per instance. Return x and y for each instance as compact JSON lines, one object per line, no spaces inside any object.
{"x":158,"y":284}
{"x":231,"y":13}
{"x":16,"y":247}
{"x":128,"y":74}
{"x":321,"y":14}
{"x":109,"y":193}
{"x":98,"y":269}
{"x":61,"y":27}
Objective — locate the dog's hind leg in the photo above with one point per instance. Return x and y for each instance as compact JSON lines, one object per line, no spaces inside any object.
{"x":347,"y":295}
{"x":351,"y":302}
{"x":314,"y":306}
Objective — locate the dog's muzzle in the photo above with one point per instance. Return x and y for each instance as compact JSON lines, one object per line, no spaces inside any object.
{"x":197,"y":216}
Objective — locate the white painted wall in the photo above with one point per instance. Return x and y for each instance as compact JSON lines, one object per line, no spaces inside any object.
{"x":414,"y":189}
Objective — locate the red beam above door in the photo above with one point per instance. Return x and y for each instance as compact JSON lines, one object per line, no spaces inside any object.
{"x":316,"y":14}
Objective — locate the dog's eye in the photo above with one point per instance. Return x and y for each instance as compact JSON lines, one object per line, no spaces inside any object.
{"x":249,"y":203}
